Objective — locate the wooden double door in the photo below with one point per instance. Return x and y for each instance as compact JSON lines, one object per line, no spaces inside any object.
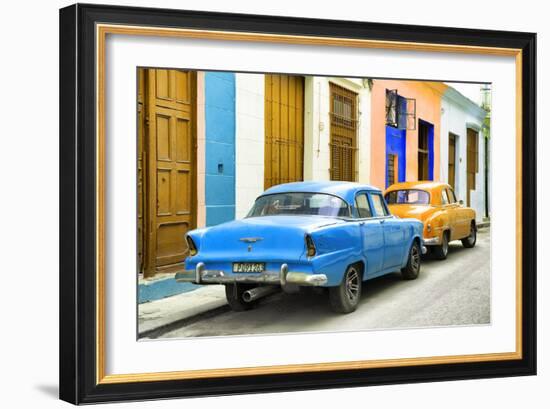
{"x":284,"y":129}
{"x":166,"y":167}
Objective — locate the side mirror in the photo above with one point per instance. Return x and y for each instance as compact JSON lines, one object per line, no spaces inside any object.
{"x":461,"y":202}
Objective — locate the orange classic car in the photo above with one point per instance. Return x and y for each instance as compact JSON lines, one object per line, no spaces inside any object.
{"x":435,"y":204}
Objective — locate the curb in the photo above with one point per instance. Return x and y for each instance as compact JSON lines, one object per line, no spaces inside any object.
{"x":162,"y":329}
{"x":160,"y":316}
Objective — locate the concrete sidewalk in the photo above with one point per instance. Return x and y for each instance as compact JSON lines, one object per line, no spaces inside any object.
{"x":156,"y":315}
{"x":160,"y":286}
{"x":483,"y":224}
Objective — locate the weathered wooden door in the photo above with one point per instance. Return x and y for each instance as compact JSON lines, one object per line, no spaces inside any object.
{"x":343,"y":133}
{"x":391,"y":168}
{"x":471,"y":164}
{"x":170,"y":182}
{"x":284,"y":129}
{"x":452,"y":164}
{"x":140,"y":170}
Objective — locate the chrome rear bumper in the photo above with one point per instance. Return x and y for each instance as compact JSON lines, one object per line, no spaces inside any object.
{"x":202,"y":276}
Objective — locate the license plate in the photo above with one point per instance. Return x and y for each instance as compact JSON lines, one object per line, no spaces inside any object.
{"x":248,"y":267}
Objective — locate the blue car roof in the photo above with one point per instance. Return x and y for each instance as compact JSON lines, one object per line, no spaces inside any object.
{"x":345,"y":190}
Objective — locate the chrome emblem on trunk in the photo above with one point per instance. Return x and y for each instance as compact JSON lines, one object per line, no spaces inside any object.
{"x":251,"y":239}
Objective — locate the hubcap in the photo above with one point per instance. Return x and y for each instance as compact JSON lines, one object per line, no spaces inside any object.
{"x":445,"y":244}
{"x":415,"y":258}
{"x":352,"y":284}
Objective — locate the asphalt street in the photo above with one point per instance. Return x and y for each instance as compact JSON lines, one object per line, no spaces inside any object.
{"x":455,"y":291}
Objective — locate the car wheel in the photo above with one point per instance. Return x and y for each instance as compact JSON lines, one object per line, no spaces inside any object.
{"x":440,"y":252}
{"x":234,"y":296}
{"x":412,"y":269}
{"x":470,"y":241}
{"x":345,"y":297}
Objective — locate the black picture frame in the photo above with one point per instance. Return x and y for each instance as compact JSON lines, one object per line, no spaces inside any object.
{"x":78,"y":360}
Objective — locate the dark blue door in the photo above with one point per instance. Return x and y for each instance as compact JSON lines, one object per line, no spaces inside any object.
{"x":396,"y":155}
{"x":425,"y":150}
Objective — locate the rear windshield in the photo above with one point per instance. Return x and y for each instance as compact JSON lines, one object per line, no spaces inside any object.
{"x":408,"y":196}
{"x":315,"y":204}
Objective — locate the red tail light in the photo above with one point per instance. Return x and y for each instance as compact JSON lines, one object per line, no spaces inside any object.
{"x":310,"y":245}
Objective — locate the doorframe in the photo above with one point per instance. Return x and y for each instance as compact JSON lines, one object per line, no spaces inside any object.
{"x":430,"y":145}
{"x":457,"y":156}
{"x":401,"y":154}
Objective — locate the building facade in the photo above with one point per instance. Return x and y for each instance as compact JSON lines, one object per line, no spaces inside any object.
{"x":463,"y":150}
{"x":211,"y":142}
{"x":293,"y":128}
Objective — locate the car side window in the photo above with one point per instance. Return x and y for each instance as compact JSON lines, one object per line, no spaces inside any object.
{"x":378,"y":204}
{"x":363,"y":206}
{"x":452,"y":196}
{"x":444,"y":197}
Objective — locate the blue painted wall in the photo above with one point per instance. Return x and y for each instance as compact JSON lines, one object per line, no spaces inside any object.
{"x":430,"y":148}
{"x":220,"y":147}
{"x":396,"y":144}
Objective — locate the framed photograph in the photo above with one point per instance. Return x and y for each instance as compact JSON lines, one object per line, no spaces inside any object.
{"x":258,"y":203}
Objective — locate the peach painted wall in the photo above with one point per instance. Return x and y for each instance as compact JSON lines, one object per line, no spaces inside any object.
{"x":428,"y":107}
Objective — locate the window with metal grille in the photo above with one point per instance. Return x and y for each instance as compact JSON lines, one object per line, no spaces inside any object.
{"x":343,"y":133}
{"x":400,"y":111}
{"x":391,"y":107}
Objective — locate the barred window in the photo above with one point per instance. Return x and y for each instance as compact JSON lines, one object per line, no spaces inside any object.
{"x":343,"y":133}
{"x":400,"y":111}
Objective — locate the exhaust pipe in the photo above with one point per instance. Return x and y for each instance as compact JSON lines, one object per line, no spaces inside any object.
{"x":259,"y":292}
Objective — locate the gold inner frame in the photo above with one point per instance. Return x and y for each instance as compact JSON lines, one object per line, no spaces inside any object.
{"x":102,"y":30}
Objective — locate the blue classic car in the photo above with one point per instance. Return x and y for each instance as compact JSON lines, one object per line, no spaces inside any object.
{"x":328,"y":234}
